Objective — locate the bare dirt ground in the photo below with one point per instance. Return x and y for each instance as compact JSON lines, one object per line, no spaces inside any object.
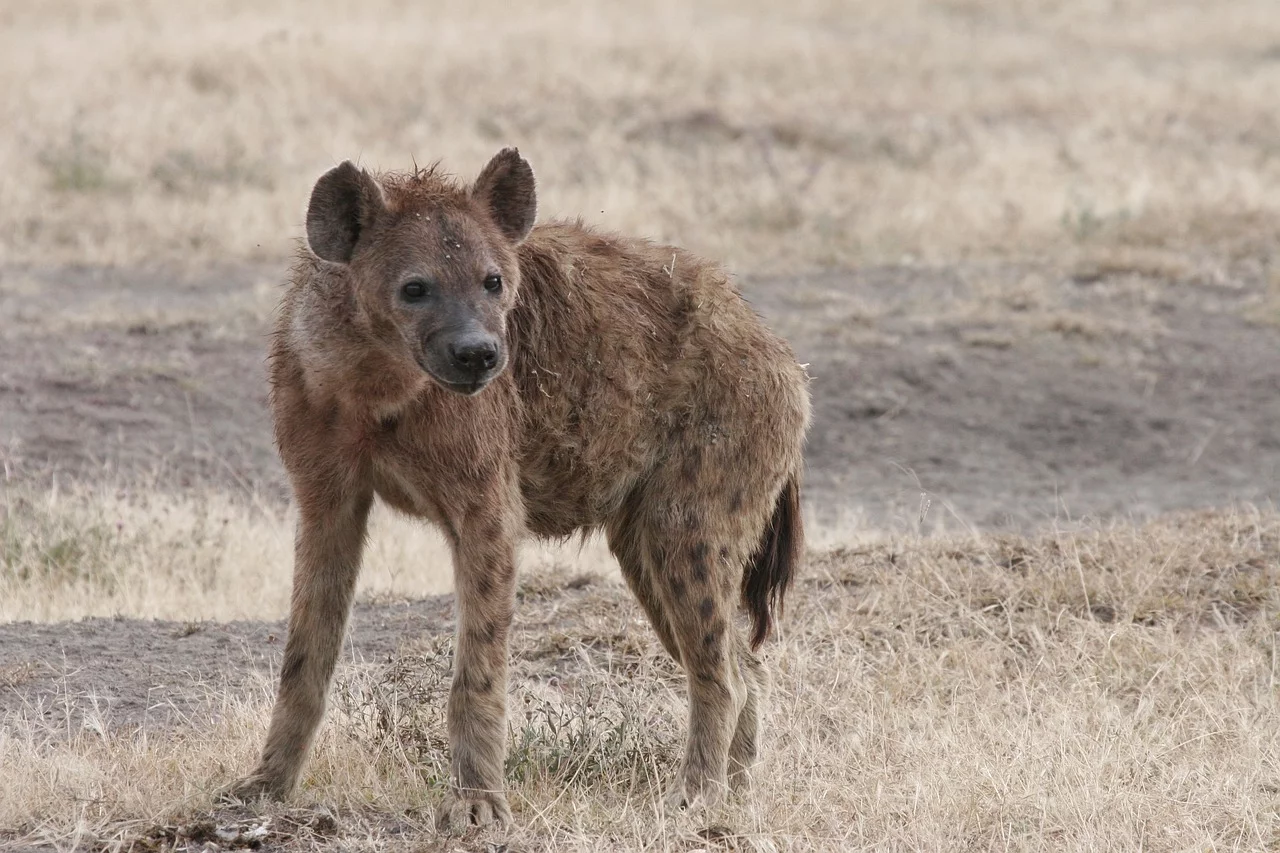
{"x":1102,"y":390}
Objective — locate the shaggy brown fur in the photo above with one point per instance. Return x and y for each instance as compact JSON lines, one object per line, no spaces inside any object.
{"x":643,"y":397}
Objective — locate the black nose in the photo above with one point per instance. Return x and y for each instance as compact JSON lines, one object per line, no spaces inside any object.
{"x":474,"y":355}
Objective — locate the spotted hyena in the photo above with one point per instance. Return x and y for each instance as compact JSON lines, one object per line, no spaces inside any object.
{"x":438,"y":351}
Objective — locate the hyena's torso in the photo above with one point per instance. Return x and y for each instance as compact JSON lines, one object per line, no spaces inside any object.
{"x":624,"y":354}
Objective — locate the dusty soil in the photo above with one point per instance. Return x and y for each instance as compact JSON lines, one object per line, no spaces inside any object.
{"x":1009,"y":396}
{"x":1071,"y":395}
{"x":129,"y":673}
{"x":136,"y":673}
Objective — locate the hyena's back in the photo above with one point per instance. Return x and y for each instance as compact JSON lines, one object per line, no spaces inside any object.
{"x":630,"y":357}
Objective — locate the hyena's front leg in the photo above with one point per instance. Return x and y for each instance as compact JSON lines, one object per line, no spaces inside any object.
{"x":484,"y":571}
{"x":326,"y":562}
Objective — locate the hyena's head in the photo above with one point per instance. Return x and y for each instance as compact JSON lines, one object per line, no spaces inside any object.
{"x":433,"y":263}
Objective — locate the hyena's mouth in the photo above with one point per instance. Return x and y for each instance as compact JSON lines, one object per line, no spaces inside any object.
{"x":466,"y":389}
{"x":467,"y":386}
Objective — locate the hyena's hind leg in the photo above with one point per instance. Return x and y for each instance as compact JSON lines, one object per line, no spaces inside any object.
{"x":698,"y":599}
{"x":744,"y":748}
{"x":740,"y":549}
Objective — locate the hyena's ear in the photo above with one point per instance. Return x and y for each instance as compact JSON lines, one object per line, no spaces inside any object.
{"x":345,"y":202}
{"x":507,"y":188}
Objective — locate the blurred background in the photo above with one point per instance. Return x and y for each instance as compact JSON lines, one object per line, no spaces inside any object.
{"x":779,"y":137}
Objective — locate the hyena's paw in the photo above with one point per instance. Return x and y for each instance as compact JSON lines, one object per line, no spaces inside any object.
{"x":253,"y":787}
{"x":739,"y":781}
{"x":462,"y":810}
{"x":695,"y":794}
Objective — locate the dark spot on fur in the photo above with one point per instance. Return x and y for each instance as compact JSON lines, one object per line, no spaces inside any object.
{"x":474,"y":682}
{"x":724,"y":553}
{"x":713,"y":634}
{"x":712,"y":680}
{"x":707,"y":608}
{"x":293,"y":664}
{"x":389,"y":423}
{"x":735,"y":503}
{"x":483,"y":633}
{"x":677,"y":588}
{"x":689,"y":519}
{"x":692,"y":465}
{"x":698,"y":554}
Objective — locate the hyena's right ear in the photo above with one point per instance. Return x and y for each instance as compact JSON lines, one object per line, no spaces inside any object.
{"x":507,"y":187}
{"x":345,"y":202}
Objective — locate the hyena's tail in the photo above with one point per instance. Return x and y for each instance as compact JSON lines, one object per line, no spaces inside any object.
{"x":769,"y":574}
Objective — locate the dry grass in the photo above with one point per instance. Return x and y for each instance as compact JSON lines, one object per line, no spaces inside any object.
{"x":211,"y":556}
{"x":1105,"y":689}
{"x":777,"y":137}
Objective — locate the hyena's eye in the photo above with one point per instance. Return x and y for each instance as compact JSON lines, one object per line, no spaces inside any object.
{"x":414,"y":290}
{"x":493,"y":283}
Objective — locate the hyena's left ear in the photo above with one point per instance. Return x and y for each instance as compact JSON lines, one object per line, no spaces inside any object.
{"x":507,"y":188}
{"x":345,"y":203}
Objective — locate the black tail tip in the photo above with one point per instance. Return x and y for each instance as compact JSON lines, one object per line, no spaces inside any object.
{"x":773,"y":566}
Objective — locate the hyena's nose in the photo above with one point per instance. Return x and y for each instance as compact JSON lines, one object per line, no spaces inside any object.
{"x":474,"y":354}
